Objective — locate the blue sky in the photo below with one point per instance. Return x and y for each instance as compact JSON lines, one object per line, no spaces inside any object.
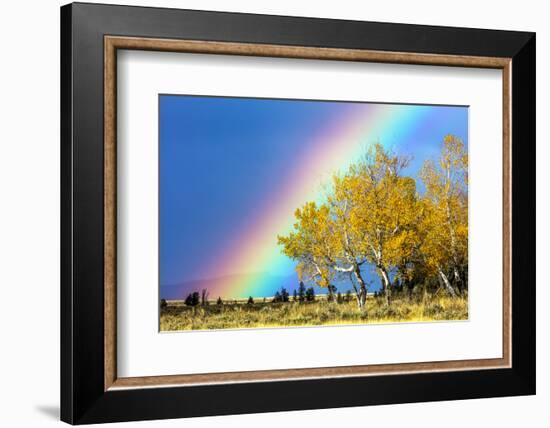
{"x":221,"y":157}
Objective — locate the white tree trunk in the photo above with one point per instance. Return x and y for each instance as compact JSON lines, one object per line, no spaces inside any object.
{"x":447,"y":284}
{"x":363,"y":298}
{"x":385,"y":283}
{"x":357,"y":294}
{"x":458,"y":279}
{"x":362,"y":295}
{"x":453,"y":244}
{"x":331,"y":296}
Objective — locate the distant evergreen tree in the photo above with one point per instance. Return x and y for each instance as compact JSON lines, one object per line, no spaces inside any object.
{"x":301,"y":292}
{"x":339,"y":298}
{"x":284,"y":295}
{"x":295,"y":296}
{"x":310,"y":294}
{"x":163,"y":303}
{"x":250,"y":300}
{"x":192,"y":299}
{"x":219,"y":301}
{"x":281,"y":295}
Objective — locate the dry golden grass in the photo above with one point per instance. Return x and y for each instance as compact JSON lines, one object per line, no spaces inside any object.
{"x":293,"y":314}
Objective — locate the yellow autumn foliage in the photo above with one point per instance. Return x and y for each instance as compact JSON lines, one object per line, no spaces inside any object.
{"x":375,"y":214}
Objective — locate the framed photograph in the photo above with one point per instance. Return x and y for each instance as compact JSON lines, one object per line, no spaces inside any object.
{"x":266,"y":213}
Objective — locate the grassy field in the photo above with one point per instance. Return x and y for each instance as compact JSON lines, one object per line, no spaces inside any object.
{"x":238,"y":314}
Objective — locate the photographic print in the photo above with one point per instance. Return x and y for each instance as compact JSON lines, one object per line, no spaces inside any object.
{"x":297,"y":213}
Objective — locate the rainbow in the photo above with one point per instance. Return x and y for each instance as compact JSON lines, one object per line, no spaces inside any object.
{"x":253,"y":249}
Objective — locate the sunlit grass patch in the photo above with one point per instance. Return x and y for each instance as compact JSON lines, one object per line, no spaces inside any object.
{"x":294,"y":314}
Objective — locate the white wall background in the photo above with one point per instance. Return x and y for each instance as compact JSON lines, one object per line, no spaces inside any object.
{"x":29,"y":214}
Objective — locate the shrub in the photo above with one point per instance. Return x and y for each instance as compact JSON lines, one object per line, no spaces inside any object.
{"x":163,"y":303}
{"x":348,"y":296}
{"x":219,"y":302}
{"x":250,"y":300}
{"x":204,"y":297}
